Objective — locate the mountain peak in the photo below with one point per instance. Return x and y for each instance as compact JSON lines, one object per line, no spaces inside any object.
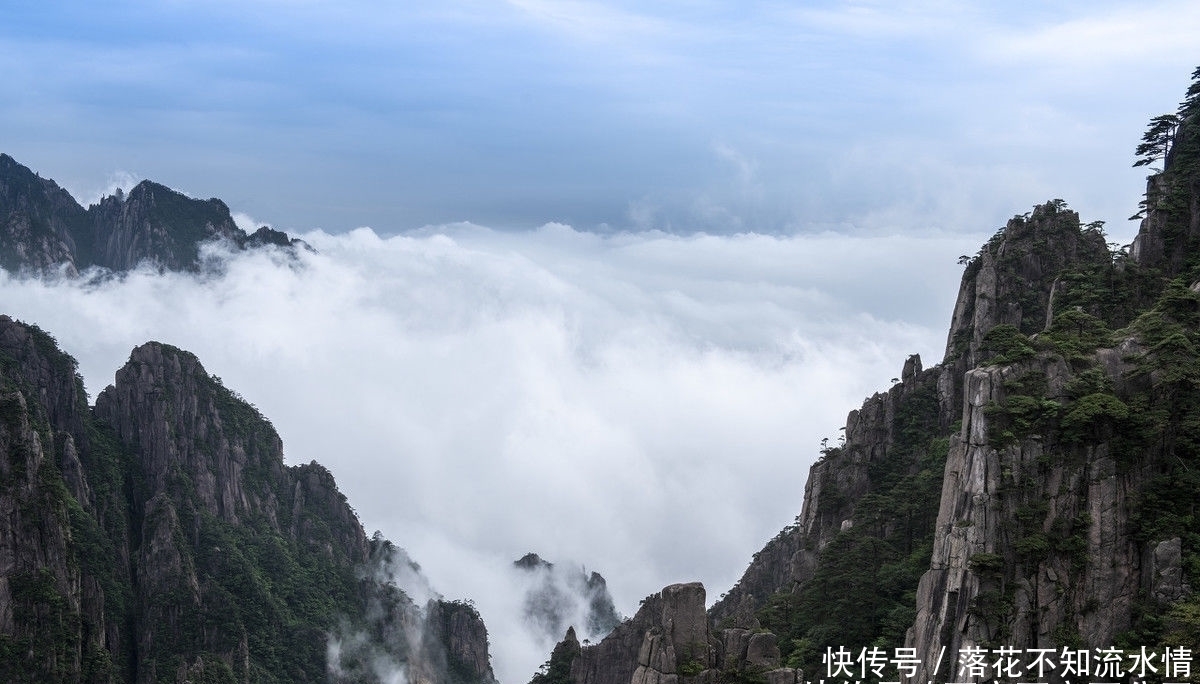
{"x":40,"y":223}
{"x":43,"y":228}
{"x":532,"y":561}
{"x":1012,"y":278}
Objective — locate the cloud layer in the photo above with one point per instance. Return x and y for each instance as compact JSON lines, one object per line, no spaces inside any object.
{"x":768,"y":116}
{"x":645,"y":405}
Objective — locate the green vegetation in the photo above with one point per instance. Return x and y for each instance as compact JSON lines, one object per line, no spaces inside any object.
{"x":557,"y":670}
{"x":1076,"y":334}
{"x":1175,"y":139}
{"x":1023,"y":413}
{"x":1116,"y":374}
{"x":43,"y":650}
{"x":1005,"y":344}
{"x":1157,"y":140}
{"x":268,"y":585}
{"x":863,"y":590}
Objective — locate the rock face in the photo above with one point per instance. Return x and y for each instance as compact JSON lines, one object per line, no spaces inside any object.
{"x":160,"y":537}
{"x":1026,"y":492}
{"x":556,"y":596}
{"x":1031,"y":544}
{"x":884,"y":439}
{"x":43,"y":228}
{"x":39,"y":221}
{"x":669,"y":641}
{"x":1014,"y":277}
{"x":155,"y":222}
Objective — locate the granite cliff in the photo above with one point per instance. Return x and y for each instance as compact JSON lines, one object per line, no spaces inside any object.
{"x":1034,"y":490}
{"x":159,"y":537}
{"x":669,"y":640}
{"x":43,"y":229}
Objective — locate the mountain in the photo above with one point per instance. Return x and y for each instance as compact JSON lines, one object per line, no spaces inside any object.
{"x":43,"y":228}
{"x":159,"y":537}
{"x":1037,"y":489}
{"x":557,"y":596}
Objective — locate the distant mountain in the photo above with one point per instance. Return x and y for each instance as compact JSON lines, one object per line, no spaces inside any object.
{"x":43,"y":228}
{"x":558,"y":596}
{"x":159,"y":537}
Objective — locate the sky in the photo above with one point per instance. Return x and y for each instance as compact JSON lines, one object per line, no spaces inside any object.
{"x":592,"y":279}
{"x":719,"y":117}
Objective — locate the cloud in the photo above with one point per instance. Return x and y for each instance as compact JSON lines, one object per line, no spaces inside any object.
{"x":247,"y":222}
{"x":882,"y":20}
{"x":593,"y":20}
{"x":527,"y":111}
{"x":745,"y":168}
{"x":122,"y":181}
{"x":642,"y":404}
{"x":1104,"y":37}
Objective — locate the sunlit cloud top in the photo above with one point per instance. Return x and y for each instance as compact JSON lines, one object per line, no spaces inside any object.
{"x":717,"y":117}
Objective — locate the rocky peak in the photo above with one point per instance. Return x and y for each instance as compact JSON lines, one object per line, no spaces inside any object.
{"x":39,"y":221}
{"x":1012,"y":278}
{"x":35,"y":361}
{"x":43,"y":228}
{"x":156,"y":223}
{"x":459,"y":632}
{"x":532,"y":561}
{"x":160,"y":537}
{"x":435,"y":643}
{"x":266,"y":236}
{"x":192,"y":433}
{"x":1169,"y":235}
{"x":669,"y":641}
{"x":555,"y":596}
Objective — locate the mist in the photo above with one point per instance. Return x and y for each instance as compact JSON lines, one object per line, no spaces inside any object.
{"x":644,"y":405}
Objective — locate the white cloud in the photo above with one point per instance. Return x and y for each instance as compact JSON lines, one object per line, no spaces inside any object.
{"x":122,"y":181}
{"x":596,"y":21}
{"x":745,"y":168}
{"x":885,"y":20}
{"x":644,"y":404}
{"x":247,"y":222}
{"x":1129,"y":34}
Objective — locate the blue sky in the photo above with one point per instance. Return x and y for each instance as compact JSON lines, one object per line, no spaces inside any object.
{"x":776,"y":117}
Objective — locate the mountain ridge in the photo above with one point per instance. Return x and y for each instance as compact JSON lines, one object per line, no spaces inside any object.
{"x":159,"y":536}
{"x":44,"y":229}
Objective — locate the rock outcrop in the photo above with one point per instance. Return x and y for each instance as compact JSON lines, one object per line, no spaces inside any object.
{"x":1050,"y":525}
{"x":155,"y":222}
{"x":39,"y":221}
{"x":43,"y":229}
{"x":669,"y":641}
{"x":1034,"y":547}
{"x":884,"y":445}
{"x":1014,"y":277}
{"x":160,"y":537}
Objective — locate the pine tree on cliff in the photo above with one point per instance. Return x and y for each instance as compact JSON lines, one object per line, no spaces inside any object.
{"x":1157,"y":139}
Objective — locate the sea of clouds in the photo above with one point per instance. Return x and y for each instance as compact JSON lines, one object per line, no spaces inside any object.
{"x":645,"y":405}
